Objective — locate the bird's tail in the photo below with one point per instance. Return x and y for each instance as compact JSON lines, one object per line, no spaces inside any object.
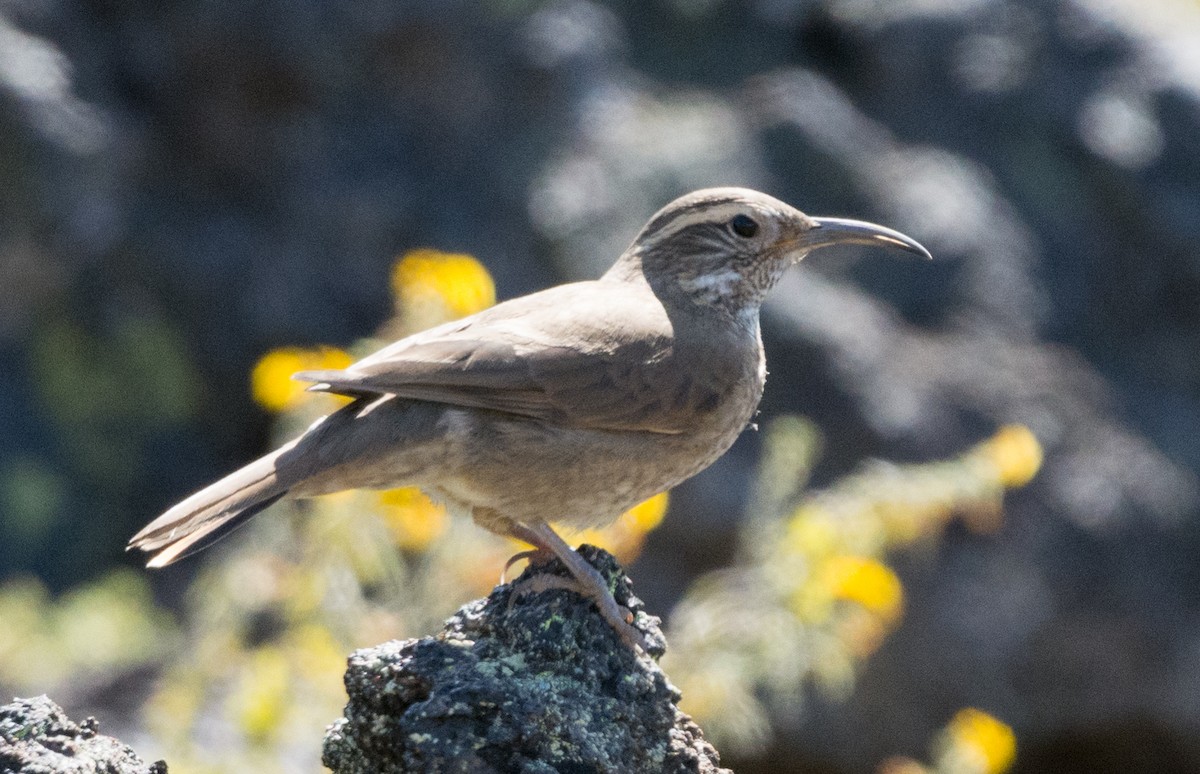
{"x":213,"y":512}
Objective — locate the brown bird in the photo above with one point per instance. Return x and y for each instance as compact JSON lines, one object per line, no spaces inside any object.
{"x":570,"y":405}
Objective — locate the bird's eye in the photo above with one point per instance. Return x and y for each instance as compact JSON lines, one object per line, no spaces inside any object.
{"x":743,"y":225}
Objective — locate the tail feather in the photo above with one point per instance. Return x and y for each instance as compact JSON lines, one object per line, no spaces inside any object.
{"x":210,"y":533}
{"x":213,"y":512}
{"x":329,"y":457}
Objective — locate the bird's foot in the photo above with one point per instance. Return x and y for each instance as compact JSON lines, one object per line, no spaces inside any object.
{"x":586,"y":580}
{"x":619,"y":617}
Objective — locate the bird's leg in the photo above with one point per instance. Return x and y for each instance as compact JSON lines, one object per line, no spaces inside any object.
{"x":588,"y":581}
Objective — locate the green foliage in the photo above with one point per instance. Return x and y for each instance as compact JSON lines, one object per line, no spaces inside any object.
{"x":94,"y":632}
{"x":137,"y":372}
{"x":112,"y":396}
{"x":107,"y":391}
{"x":31,"y":497}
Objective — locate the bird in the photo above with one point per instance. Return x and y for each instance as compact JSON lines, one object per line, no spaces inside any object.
{"x":569,"y":405}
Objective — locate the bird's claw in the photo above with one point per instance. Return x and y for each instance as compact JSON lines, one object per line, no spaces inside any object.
{"x":619,"y":617}
{"x":536,"y":556}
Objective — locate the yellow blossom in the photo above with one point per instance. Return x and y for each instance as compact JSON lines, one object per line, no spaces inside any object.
{"x":1015,"y":452}
{"x":415,"y":520}
{"x":261,"y":698}
{"x":979,"y":741}
{"x":647,"y":514}
{"x":868,"y":582}
{"x":271,"y":381}
{"x":624,"y":537}
{"x":430,"y":285}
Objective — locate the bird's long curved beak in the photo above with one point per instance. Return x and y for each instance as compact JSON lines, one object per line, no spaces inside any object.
{"x":839,"y":231}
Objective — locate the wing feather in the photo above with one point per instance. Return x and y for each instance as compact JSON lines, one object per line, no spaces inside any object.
{"x":533,"y":361}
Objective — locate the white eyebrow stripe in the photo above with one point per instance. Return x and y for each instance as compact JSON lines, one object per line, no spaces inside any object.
{"x":713,"y":213}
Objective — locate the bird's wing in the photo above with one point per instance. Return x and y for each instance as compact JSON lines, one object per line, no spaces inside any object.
{"x":537,"y":357}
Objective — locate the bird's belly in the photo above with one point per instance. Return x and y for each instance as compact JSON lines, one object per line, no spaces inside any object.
{"x":573,"y":476}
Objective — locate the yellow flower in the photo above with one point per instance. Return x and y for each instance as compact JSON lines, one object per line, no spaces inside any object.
{"x":979,"y":741}
{"x":430,"y":285}
{"x":271,"y":380}
{"x":261,"y":697}
{"x":414,"y":519}
{"x":868,"y":582}
{"x":625,"y":536}
{"x":646,"y":515}
{"x":1015,"y":452}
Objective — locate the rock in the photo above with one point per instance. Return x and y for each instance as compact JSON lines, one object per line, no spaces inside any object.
{"x":522,"y":681}
{"x":37,"y":737}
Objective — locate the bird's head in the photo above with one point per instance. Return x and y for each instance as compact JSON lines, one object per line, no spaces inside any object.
{"x":726,"y":247}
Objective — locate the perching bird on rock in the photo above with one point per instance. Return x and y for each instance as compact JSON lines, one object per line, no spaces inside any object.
{"x":569,"y":405}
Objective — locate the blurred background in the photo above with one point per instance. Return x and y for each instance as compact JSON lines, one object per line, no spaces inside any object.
{"x":964,"y":536}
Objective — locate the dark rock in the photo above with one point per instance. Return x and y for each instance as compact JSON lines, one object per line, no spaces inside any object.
{"x":37,"y":737}
{"x":518,"y":682}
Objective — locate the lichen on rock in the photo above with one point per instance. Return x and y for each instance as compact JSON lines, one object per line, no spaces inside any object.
{"x":519,"y":682}
{"x":37,"y":737}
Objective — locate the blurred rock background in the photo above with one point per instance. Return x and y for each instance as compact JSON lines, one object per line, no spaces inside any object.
{"x":186,"y":186}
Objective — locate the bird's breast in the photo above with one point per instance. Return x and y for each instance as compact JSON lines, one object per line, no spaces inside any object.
{"x":720,"y":387}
